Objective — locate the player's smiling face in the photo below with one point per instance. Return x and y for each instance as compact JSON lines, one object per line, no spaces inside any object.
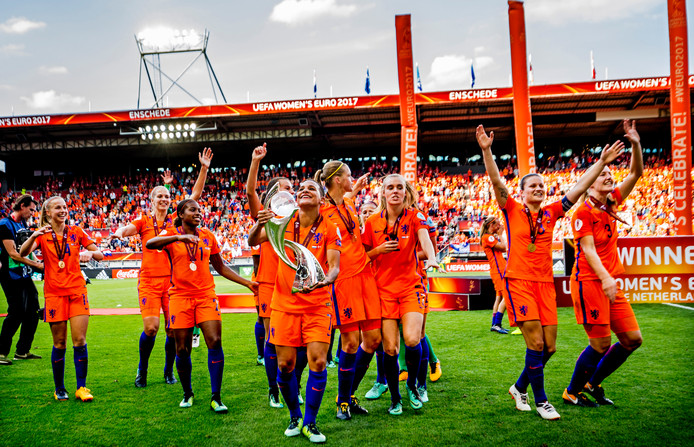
{"x":161,"y":199}
{"x":191,"y":214}
{"x":604,"y":183}
{"x":533,"y":190}
{"x":308,"y":194}
{"x":57,"y":211}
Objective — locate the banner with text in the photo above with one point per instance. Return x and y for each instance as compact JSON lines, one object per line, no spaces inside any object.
{"x":408,"y":107}
{"x":680,"y":116}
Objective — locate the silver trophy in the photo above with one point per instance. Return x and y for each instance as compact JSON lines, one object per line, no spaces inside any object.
{"x":308,"y":269}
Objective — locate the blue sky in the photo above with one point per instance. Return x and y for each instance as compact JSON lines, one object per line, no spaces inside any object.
{"x":72,"y":55}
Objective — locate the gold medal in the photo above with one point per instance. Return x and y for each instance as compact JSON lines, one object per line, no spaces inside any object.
{"x":61,"y":264}
{"x":531,"y":247}
{"x":193,"y":267}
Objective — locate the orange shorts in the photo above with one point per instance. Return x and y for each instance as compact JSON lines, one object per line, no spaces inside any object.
{"x":265,"y":291}
{"x":296,"y":330}
{"x":355,"y":299}
{"x":593,"y":308}
{"x":499,"y":286}
{"x":531,"y":300}
{"x":153,"y":296}
{"x":395,"y":308}
{"x":364,"y":326}
{"x":189,"y":312}
{"x":62,"y":308}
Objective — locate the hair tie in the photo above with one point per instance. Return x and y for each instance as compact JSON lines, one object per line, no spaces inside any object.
{"x":335,"y":171}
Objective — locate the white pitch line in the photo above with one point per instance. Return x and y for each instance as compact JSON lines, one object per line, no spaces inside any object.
{"x":680,"y":306}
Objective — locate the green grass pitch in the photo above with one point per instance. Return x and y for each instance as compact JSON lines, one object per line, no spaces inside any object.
{"x":469,"y":405}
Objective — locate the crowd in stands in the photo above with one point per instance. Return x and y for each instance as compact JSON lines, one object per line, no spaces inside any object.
{"x":457,"y":203}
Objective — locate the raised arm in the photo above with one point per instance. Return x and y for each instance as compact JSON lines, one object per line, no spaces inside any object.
{"x":636,"y":169}
{"x":30,"y":244}
{"x":159,"y":242}
{"x":252,"y":182}
{"x":205,"y":159}
{"x":485,"y":141}
{"x":607,"y":156}
{"x":358,"y":186}
{"x":92,"y":252}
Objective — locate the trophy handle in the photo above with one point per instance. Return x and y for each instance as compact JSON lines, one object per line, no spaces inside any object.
{"x":275,"y":229}
{"x":308,"y":271}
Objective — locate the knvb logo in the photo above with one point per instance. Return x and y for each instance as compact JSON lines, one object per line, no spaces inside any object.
{"x":347,"y":312}
{"x":594,"y":314}
{"x":523,"y":310}
{"x":51,"y":312}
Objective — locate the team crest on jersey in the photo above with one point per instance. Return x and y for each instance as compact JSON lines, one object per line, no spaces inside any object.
{"x":578,"y":224}
{"x":144,"y":301}
{"x":404,"y":228}
{"x":317,"y":238}
{"x":347,"y":312}
{"x":51,"y":312}
{"x":264,"y":306}
{"x":206,"y":241}
{"x":594,"y":314}
{"x":173,"y":319}
{"x":73,"y":238}
{"x":523,"y":310}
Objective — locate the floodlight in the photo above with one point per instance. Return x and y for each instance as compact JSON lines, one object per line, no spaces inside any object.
{"x":193,"y":126}
{"x":150,"y":136}
{"x":164,"y":136}
{"x":192,"y":134}
{"x":186,"y":126}
{"x":185,"y":134}
{"x":171,"y":127}
{"x":178,"y":134}
{"x":157,"y":135}
{"x":178,"y":126}
{"x":155,"y":128}
{"x":144,"y":137}
{"x":148,"y":128}
{"x":171,"y":135}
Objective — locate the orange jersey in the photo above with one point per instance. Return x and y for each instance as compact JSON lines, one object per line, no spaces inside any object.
{"x":67,"y":280}
{"x":154,"y":262}
{"x":327,"y":237}
{"x":353,"y":257}
{"x":396,"y":272}
{"x":267,"y":267}
{"x":591,"y":221}
{"x":189,"y":283}
{"x":497,"y":262}
{"x":522,"y":264}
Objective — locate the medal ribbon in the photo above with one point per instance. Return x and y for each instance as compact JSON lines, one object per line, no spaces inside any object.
{"x":601,"y":206}
{"x":394,"y":234}
{"x":534,"y":226}
{"x":349,"y":222}
{"x":192,"y":249}
{"x":60,"y":251}
{"x":297,"y":227}
{"x":156,"y":227}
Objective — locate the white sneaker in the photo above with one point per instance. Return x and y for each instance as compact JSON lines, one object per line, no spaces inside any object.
{"x":520,"y":398}
{"x":196,"y":341}
{"x":547,"y":411}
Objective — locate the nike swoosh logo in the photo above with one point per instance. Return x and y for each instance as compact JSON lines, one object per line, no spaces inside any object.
{"x":273,"y":358}
{"x":216,"y":361}
{"x":316,"y":389}
{"x":351,"y":369}
{"x":537,"y":367}
{"x":58,"y":361}
{"x":82,"y":360}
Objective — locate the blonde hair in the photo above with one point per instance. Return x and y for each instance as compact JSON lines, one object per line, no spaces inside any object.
{"x":45,"y":220}
{"x":411,"y":195}
{"x":330,"y":170}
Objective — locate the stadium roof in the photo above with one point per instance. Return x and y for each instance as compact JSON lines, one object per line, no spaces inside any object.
{"x":564,"y":115}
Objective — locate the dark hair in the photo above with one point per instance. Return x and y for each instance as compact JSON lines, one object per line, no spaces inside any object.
{"x":523,"y":179}
{"x":179,"y":210}
{"x":23,"y":200}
